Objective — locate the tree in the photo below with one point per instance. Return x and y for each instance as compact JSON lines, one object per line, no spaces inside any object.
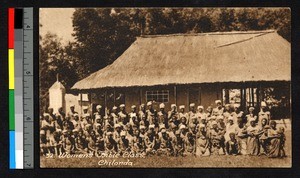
{"x":101,"y":36}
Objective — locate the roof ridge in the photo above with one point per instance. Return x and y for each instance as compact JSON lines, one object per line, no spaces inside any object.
{"x":240,"y":41}
{"x":209,"y":33}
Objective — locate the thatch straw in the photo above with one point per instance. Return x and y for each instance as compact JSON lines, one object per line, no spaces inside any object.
{"x":197,"y":58}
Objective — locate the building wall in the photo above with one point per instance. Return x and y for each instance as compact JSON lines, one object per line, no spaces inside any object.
{"x":204,"y":95}
{"x":209,"y":94}
{"x":156,"y":105}
{"x":194,"y":95}
{"x":132,"y":97}
{"x":182,"y":96}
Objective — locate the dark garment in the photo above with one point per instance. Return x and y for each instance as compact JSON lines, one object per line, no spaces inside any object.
{"x":164,"y":116}
{"x":232,"y":147}
{"x":111,"y":145}
{"x":123,"y":145}
{"x":60,"y":119}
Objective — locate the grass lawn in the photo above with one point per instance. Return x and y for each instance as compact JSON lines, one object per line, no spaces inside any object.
{"x":166,"y":161}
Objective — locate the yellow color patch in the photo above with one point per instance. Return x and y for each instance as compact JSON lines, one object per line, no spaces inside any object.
{"x":11,"y":69}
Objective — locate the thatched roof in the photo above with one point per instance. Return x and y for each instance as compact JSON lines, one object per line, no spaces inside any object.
{"x":197,"y":58}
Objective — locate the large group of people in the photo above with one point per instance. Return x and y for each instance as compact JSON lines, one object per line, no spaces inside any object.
{"x":223,"y":130}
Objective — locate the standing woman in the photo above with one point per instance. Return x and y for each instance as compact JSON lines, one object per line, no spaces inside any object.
{"x":276,"y":141}
{"x":208,"y":112}
{"x":237,"y":113}
{"x":192,"y":113}
{"x":163,"y":115}
{"x":113,"y":115}
{"x":142,"y":111}
{"x":123,"y":114}
{"x":264,"y":113}
{"x":250,"y":115}
{"x":230,"y":127}
{"x":253,"y":138}
{"x":227,"y":113}
{"x":200,"y":113}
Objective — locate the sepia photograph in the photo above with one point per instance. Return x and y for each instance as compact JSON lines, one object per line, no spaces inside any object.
{"x":165,"y":88}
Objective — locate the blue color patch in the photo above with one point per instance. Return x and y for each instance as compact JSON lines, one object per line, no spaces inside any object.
{"x":12,"y":150}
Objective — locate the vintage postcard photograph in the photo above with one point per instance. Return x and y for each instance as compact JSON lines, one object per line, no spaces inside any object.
{"x":165,"y":88}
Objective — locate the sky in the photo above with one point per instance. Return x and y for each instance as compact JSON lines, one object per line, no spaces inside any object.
{"x":57,"y":21}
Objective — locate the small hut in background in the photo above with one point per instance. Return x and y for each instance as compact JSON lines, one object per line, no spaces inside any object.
{"x":195,"y":68}
{"x":57,"y":96}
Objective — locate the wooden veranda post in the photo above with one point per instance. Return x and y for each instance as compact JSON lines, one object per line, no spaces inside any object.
{"x":141,"y":96}
{"x":105,"y":102}
{"x":252,"y":96}
{"x":199,"y":95}
{"x":244,"y":99}
{"x":114,"y":96}
{"x":80,"y":103}
{"x":175,"y":94}
{"x":188,"y":98}
{"x":90,"y":101}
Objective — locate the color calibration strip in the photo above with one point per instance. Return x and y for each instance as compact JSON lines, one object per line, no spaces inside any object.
{"x":20,"y":63}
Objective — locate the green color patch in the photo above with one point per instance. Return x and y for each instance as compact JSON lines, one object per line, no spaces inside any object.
{"x":11,"y":110}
